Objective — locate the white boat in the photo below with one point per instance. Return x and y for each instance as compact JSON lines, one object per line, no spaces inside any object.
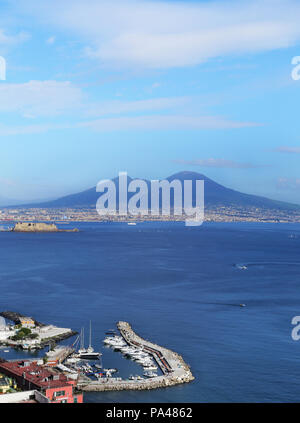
{"x":147,"y":368}
{"x":72,"y":360}
{"x":150,"y":374}
{"x":242,"y":266}
{"x":134,"y":352}
{"x":87,"y":353}
{"x":139,"y":357}
{"x":115,"y":341}
{"x":135,"y":377}
{"x":110,"y":370}
{"x":131,"y":223}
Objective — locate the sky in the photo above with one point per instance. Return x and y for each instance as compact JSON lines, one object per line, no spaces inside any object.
{"x":96,"y":87}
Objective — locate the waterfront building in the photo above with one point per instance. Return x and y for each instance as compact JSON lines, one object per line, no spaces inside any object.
{"x":5,"y":384}
{"x":27,"y":322}
{"x":4,"y":330}
{"x":29,"y":397}
{"x":29,"y":375}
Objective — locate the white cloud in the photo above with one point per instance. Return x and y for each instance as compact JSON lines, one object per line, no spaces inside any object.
{"x":118,"y":107}
{"x":286,"y":149}
{"x":157,"y":34}
{"x":46,"y":98}
{"x":6,"y":130}
{"x":164,"y":122}
{"x":219,"y":163}
{"x":288,"y":184}
{"x":6,"y":39}
{"x":148,"y":122}
{"x":155,"y":85}
{"x":50,"y":40}
{"x":36,"y":99}
{"x":39,"y":98}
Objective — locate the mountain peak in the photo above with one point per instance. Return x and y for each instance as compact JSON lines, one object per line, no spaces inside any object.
{"x":216,"y":195}
{"x":185,"y":174}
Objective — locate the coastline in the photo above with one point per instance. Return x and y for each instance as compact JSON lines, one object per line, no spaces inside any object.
{"x":175,"y":370}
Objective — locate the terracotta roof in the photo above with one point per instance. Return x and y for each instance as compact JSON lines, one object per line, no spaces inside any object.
{"x":34,"y":373}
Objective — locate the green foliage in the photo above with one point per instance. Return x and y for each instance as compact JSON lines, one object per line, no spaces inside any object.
{"x":32,"y":336}
{"x":23,"y":333}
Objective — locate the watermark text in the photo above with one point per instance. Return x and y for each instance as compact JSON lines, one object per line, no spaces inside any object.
{"x":296,"y":70}
{"x":139,"y":198}
{"x":2,"y":69}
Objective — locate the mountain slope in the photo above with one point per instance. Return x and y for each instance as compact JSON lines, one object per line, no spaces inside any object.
{"x":216,"y":195}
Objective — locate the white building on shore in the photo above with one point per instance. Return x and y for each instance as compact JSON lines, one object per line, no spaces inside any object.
{"x":5,"y":331}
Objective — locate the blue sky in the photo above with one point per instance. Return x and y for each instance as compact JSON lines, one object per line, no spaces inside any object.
{"x":149,"y":87}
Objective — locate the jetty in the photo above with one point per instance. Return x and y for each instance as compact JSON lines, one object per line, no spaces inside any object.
{"x":15,"y":317}
{"x":44,"y":334}
{"x":58,"y":355}
{"x":174,"y":370}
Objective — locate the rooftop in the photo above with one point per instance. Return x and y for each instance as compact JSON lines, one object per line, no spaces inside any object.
{"x":37,"y":374}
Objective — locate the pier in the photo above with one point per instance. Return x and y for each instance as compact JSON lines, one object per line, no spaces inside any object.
{"x":175,"y":370}
{"x":45,"y":334}
{"x":58,"y":355}
{"x":15,"y":317}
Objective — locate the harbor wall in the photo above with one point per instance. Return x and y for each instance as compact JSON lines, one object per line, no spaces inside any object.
{"x":175,"y":370}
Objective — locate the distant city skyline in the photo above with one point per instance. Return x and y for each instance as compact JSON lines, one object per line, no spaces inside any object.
{"x":151,"y":88}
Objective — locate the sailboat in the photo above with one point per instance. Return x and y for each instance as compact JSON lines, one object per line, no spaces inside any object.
{"x":89,"y":352}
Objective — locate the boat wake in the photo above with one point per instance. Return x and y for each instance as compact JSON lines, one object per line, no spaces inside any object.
{"x":263,"y":264}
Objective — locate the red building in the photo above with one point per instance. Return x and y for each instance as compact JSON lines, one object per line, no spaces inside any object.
{"x":55,"y":386}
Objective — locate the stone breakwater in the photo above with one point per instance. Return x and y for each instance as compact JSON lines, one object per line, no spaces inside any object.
{"x":52,"y":334}
{"x":175,"y":370}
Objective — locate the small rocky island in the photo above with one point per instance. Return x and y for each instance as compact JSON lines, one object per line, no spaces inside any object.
{"x":39,"y":227}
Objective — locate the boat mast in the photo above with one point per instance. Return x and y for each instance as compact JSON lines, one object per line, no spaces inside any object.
{"x":82,"y":339}
{"x":90,"y":334}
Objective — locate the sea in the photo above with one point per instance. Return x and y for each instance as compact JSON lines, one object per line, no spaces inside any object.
{"x":180,"y":287}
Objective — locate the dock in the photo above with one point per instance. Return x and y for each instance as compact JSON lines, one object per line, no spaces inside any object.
{"x":175,"y":370}
{"x":46,"y":334}
{"x":58,"y":355}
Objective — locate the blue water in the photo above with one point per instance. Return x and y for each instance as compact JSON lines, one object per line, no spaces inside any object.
{"x":177,"y":286}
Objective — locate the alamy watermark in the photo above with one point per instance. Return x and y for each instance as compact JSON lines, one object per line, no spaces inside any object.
{"x":296,"y":330}
{"x":296,"y":70}
{"x":165,"y":198}
{"x":2,"y":69}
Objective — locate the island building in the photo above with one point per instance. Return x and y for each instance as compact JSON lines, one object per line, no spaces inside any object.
{"x":55,"y":386}
{"x":34,"y":227}
{"x":27,"y":322}
{"x":38,"y":227}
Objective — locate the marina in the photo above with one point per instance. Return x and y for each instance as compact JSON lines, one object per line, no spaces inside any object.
{"x":173,"y":369}
{"x":159,"y":366}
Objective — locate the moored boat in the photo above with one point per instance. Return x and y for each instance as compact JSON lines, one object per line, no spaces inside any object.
{"x":87,"y":353}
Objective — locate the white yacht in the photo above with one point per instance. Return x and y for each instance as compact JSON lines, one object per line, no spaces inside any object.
{"x":115,"y":341}
{"x":151,"y":367}
{"x":87,"y":353}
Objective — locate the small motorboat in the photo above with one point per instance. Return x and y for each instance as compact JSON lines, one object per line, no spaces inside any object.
{"x":150,"y":374}
{"x":98,"y":366}
{"x":110,"y":332}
